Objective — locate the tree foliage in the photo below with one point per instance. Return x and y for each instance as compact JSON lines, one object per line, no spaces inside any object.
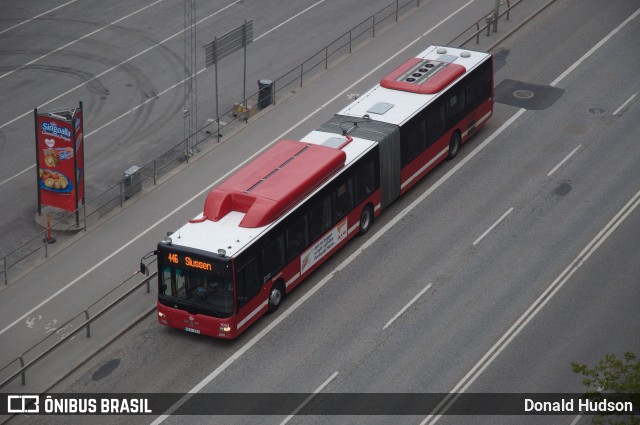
{"x":616,"y":380}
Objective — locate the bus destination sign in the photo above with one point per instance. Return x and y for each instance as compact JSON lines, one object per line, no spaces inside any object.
{"x":187,"y":261}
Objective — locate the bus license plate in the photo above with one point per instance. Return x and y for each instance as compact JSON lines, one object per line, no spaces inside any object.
{"x":195,"y":331}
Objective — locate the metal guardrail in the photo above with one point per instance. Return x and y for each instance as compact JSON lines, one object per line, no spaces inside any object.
{"x":485,"y":23}
{"x":22,"y":371}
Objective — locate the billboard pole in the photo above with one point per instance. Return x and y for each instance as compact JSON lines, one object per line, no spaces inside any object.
{"x":75,"y":166}
{"x":35,"y":125}
{"x":84,"y":189}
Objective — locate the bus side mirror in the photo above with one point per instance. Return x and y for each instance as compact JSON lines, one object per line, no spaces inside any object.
{"x":143,"y":267}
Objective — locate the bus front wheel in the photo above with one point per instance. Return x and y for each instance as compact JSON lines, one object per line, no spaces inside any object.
{"x":454,"y":144}
{"x":275,"y":296}
{"x":366,"y":218}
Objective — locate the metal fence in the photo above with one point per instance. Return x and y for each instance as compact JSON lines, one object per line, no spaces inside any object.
{"x":485,"y":24}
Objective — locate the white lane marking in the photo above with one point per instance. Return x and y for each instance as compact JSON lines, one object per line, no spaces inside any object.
{"x":566,"y":158}
{"x":135,"y":108}
{"x":594,"y":48}
{"x":37,"y":16}
{"x":459,"y":388}
{"x":633,"y":96}
{"x":413,"y":300}
{"x":447,"y":18}
{"x":576,"y":420}
{"x":486,"y":232}
{"x":532,"y":311}
{"x":288,"y":20}
{"x":235,"y":356}
{"x":16,"y":175}
{"x":308,"y":399}
{"x":79,"y":39}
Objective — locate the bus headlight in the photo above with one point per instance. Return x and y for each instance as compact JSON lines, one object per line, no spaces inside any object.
{"x":225,"y":327}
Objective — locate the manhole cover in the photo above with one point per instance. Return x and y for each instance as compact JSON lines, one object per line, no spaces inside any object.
{"x":526,"y":95}
{"x":597,"y":111}
{"x":523,"y":94}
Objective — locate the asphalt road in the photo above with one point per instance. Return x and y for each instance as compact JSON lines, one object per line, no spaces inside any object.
{"x":481,"y":239}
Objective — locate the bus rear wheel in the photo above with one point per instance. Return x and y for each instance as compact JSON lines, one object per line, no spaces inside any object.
{"x":366,"y":218}
{"x":275,"y":296}
{"x":454,"y":144}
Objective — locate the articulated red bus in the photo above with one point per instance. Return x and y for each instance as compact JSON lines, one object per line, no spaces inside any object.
{"x":274,"y":221}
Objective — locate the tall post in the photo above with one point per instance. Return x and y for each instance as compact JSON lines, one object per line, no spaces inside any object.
{"x":244,"y":80}
{"x":496,"y":15}
{"x":215,"y":55}
{"x":190,"y":72}
{"x":82,"y":173}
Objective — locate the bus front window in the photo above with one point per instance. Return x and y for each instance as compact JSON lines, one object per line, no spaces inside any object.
{"x":208,"y":291}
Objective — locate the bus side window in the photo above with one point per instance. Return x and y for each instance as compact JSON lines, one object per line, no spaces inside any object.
{"x":320,"y":216}
{"x":413,"y":139}
{"x":273,"y":256}
{"x":344,"y":198}
{"x":475,"y":90}
{"x":297,"y":238}
{"x":365,"y":181}
{"x":456,"y":105}
{"x":248,"y":283}
{"x":435,"y":122}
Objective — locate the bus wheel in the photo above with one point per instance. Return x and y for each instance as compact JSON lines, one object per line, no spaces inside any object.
{"x":275,"y":296}
{"x":366,"y":218}
{"x":454,"y":144}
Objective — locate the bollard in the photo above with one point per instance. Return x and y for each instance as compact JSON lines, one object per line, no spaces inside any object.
{"x":48,"y":239}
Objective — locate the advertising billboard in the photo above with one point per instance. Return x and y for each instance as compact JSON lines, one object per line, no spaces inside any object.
{"x":60,"y":158}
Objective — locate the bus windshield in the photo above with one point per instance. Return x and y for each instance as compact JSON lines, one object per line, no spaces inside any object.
{"x":212,"y":292}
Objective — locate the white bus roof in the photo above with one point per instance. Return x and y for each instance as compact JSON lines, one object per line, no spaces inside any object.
{"x":227,"y":233}
{"x":414,"y":84}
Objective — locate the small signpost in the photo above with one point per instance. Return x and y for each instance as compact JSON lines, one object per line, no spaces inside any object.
{"x":223,"y":46}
